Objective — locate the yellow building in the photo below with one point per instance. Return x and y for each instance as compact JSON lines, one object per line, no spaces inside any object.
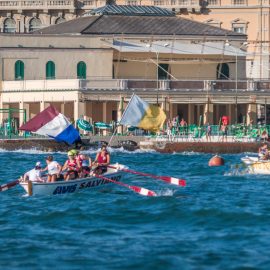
{"x":251,"y":17}
{"x":89,"y":66}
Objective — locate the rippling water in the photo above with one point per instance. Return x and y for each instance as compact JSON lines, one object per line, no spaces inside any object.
{"x":219,"y":221}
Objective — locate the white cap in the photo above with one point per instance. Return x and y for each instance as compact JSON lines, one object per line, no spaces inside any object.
{"x":38,"y":164}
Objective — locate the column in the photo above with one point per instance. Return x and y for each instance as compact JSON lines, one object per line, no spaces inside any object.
{"x":232,"y":113}
{"x":251,"y":113}
{"x":190,"y":114}
{"x":120,"y":110}
{"x":208,"y":114}
{"x":22,"y":106}
{"x":165,"y":106}
{"x":104,"y":115}
{"x":79,"y":110}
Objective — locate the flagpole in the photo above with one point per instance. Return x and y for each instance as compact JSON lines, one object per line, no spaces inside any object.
{"x":115,"y":129}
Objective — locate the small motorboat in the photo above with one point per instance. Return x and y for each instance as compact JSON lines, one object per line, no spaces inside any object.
{"x":249,"y":160}
{"x":256,"y":165}
{"x":72,"y":186}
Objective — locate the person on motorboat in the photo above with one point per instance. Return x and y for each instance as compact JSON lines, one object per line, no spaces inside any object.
{"x":53,"y":168}
{"x":72,"y":165}
{"x":263,"y":152}
{"x":102,"y":160}
{"x":34,"y":174}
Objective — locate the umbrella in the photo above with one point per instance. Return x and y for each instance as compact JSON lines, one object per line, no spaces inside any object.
{"x":84,"y":125}
{"x":102,"y":125}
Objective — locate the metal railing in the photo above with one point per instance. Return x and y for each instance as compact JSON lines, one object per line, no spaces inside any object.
{"x":36,"y":4}
{"x":131,"y":84}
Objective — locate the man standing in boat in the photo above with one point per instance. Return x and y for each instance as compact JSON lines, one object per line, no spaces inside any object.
{"x":102,"y":160}
{"x":263,"y":152}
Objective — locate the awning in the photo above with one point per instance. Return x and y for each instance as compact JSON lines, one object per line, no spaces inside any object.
{"x":179,"y":48}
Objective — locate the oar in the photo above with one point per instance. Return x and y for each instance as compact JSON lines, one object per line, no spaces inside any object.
{"x":168,"y":179}
{"x":140,"y":190}
{"x":9,"y":185}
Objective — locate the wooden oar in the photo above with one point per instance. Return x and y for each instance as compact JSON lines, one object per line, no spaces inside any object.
{"x":9,"y":185}
{"x":168,"y":179}
{"x":139,"y":190}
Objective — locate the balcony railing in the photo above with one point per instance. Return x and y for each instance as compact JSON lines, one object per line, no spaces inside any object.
{"x":36,"y":4}
{"x":134,"y":84}
{"x":89,"y":4}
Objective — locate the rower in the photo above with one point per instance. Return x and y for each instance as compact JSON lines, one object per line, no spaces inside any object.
{"x":34,"y":174}
{"x":72,"y":165}
{"x":263,"y":152}
{"x":53,"y":168}
{"x":102,"y":160}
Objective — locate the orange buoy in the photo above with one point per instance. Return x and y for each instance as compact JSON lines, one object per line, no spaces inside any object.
{"x":216,"y":161}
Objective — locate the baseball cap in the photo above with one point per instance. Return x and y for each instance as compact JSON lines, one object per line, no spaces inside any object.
{"x":38,"y":164}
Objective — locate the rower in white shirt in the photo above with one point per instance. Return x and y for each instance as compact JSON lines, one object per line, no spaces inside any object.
{"x":34,"y":174}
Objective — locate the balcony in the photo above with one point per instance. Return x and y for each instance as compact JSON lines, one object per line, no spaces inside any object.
{"x":89,"y":4}
{"x":36,"y":4}
{"x":133,"y":85}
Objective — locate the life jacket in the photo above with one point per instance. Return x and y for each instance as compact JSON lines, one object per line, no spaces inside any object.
{"x":102,"y":159}
{"x":72,"y":165}
{"x":79,"y":158}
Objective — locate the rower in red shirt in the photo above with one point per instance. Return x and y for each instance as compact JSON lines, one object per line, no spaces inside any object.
{"x":102,"y":160}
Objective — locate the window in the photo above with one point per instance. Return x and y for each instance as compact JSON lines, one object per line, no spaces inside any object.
{"x":50,"y":70}
{"x":60,"y":20}
{"x":19,"y":70}
{"x":9,"y":26}
{"x":239,"y":29}
{"x":212,"y":2}
{"x":163,"y":71}
{"x":35,"y":24}
{"x":223,"y":71}
{"x":81,"y":70}
{"x":238,"y":2}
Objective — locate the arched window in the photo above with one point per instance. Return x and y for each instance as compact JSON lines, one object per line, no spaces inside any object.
{"x":60,"y":20}
{"x":9,"y":26}
{"x":223,"y":71}
{"x":35,"y":24}
{"x":50,"y":70}
{"x":81,"y":70}
{"x":19,"y":70}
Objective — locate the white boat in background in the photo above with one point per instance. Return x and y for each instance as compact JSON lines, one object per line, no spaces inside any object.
{"x":249,"y":160}
{"x":72,"y":186}
{"x":257,"y":166}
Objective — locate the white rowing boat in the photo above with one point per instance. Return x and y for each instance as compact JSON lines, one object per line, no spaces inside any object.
{"x":71,"y":186}
{"x":256,"y":165}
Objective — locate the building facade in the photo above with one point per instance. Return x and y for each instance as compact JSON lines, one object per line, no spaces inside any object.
{"x":23,"y":16}
{"x":89,"y":67}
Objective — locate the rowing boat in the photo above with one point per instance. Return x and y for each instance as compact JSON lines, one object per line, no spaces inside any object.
{"x":72,"y":186}
{"x":256,"y":165}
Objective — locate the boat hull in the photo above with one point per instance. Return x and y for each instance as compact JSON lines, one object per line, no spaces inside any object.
{"x":71,"y":186}
{"x":256,"y":166}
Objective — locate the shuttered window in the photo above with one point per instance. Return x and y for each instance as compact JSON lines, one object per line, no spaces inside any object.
{"x":19,"y":70}
{"x":50,"y":70}
{"x":81,"y":70}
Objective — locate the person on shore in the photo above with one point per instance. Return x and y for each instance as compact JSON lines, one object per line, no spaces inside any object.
{"x":34,"y":174}
{"x":53,"y":168}
{"x":208,"y":132}
{"x":183,"y":123}
{"x":224,"y":132}
{"x":263,"y":152}
{"x":72,"y":166}
{"x":102,"y":160}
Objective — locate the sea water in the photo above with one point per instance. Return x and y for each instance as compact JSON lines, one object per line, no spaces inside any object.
{"x":220,"y":220}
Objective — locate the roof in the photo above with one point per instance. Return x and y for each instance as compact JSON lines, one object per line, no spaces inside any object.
{"x":130,"y":11}
{"x":135,"y":25}
{"x":179,"y":47}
